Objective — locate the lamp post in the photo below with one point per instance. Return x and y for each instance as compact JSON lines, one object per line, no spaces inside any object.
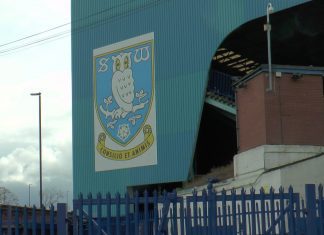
{"x":29,"y":194}
{"x":267,"y":27}
{"x":40,"y":148}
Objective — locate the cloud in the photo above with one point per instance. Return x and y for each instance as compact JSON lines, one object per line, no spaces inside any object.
{"x":43,"y":68}
{"x":21,"y":166}
{"x":19,"y":150}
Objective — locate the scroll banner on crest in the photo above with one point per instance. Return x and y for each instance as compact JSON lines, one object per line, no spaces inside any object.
{"x":124,"y":104}
{"x":124,"y":155}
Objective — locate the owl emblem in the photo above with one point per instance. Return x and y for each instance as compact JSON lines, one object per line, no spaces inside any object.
{"x":122,"y":84}
{"x":126,"y":92}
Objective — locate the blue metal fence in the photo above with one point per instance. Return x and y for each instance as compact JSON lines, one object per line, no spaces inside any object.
{"x":206,"y":212}
{"x":16,"y":220}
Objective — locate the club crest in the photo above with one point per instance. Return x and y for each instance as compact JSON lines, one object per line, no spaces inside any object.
{"x":123,"y":99}
{"x":124,"y":88}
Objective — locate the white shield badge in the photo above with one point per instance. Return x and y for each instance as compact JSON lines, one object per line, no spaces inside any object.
{"x":124,"y":104}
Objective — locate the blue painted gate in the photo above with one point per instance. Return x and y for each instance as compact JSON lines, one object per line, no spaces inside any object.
{"x":206,"y":212}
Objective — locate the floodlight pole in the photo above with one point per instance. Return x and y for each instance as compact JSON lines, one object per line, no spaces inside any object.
{"x":40,"y":147}
{"x":268,"y":29}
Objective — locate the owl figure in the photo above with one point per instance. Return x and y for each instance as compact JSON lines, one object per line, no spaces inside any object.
{"x":123,"y":84}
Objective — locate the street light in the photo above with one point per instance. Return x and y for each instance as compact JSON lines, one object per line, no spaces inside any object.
{"x":29,"y":194}
{"x":267,"y":27}
{"x":40,"y":148}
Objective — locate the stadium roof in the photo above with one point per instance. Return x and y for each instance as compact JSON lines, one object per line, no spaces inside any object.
{"x":297,"y":36}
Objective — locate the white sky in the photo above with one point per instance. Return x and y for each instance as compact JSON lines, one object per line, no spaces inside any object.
{"x":45,"y":68}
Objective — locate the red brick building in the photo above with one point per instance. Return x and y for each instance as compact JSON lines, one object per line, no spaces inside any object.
{"x":292,"y":113}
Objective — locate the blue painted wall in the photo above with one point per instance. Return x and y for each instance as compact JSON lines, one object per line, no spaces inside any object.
{"x":187,"y":34}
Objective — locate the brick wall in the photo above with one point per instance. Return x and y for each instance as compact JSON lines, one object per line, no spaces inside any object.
{"x":291,"y":114}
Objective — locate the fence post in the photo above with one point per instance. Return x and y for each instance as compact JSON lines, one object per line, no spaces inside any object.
{"x":188,"y":220}
{"x":244,"y":214}
{"x":127,"y":215}
{"x":310,"y":208}
{"x":320,"y":208}
{"x":34,"y":221}
{"x":282,"y":226}
{"x":175,"y":213}
{"x":182,"y":220}
{"x":42,"y":220}
{"x":25,"y":221}
{"x":16,"y":221}
{"x":1,"y":220}
{"x":233,"y":198}
{"x":118,"y":219}
{"x":253,"y":211}
{"x":195,"y":210}
{"x":9,"y":218}
{"x":61,"y":219}
{"x":146,"y":213}
{"x":99,"y":213}
{"x":210,"y":208}
{"x":81,"y":213}
{"x":89,"y":215}
{"x":205,"y":217}
{"x":156,"y":212}
{"x":291,"y":217}
{"x":136,"y":219}
{"x":223,"y":211}
{"x":108,"y":206}
{"x":52,"y":226}
{"x":75,"y":217}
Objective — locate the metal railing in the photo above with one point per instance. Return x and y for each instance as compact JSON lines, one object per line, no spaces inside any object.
{"x":221,"y":84}
{"x":206,"y":212}
{"x":31,"y":220}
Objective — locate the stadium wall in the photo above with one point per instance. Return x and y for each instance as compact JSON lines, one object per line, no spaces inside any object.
{"x":186,"y":35}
